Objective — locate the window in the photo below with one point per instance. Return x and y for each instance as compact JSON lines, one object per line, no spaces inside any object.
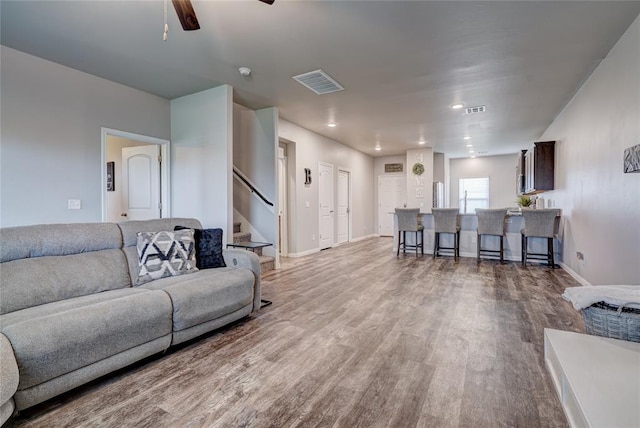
{"x":473,"y":193}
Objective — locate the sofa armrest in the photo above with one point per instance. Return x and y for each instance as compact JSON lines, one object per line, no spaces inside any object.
{"x":235,"y":258}
{"x":9,"y":378}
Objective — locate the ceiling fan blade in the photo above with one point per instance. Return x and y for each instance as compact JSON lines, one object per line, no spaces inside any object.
{"x":186,"y":14}
{"x":267,"y":1}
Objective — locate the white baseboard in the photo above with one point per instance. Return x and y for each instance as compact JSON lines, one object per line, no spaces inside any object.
{"x":574,"y":274}
{"x":362,"y":238}
{"x":304,"y":253}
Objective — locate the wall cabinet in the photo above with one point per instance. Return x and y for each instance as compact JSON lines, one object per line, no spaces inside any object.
{"x":538,"y":166}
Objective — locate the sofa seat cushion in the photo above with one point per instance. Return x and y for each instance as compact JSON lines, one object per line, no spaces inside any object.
{"x":206,"y":295}
{"x":56,"y":338}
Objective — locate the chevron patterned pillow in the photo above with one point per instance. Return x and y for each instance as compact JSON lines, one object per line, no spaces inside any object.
{"x":162,"y":254}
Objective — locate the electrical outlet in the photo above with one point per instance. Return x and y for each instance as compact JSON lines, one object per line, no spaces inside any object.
{"x":509,"y":221}
{"x":306,"y":204}
{"x":313,"y":237}
{"x":474,"y":239}
{"x":74,"y":204}
{"x":579,"y":255}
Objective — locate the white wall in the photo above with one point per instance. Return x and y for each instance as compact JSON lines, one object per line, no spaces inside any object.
{"x":311,"y":148}
{"x":51,"y":137}
{"x":255,"y":142}
{"x":600,"y":204}
{"x":501,"y":171}
{"x":202,"y":153}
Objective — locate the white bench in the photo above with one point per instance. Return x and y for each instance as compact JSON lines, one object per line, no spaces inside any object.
{"x":597,"y":379}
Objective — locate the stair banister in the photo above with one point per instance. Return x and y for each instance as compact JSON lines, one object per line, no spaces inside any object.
{"x":252,"y":188}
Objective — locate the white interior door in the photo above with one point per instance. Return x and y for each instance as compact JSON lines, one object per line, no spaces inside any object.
{"x":325,"y":196}
{"x":391,"y":195}
{"x":141,"y":182}
{"x":344,"y":210}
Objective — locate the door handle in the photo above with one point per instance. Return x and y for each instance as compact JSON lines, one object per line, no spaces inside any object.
{"x":123,"y":215}
{"x":331,"y":211}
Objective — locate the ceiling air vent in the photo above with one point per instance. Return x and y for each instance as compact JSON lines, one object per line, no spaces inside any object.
{"x":476,"y":109}
{"x":319,"y":82}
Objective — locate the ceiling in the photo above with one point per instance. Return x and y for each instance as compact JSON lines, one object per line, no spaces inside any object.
{"x":402,"y":63}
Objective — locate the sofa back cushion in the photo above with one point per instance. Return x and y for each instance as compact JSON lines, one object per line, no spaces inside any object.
{"x":130,"y":231}
{"x":47,"y":263}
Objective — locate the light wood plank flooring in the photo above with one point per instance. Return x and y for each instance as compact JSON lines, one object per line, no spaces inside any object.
{"x":355,"y":338}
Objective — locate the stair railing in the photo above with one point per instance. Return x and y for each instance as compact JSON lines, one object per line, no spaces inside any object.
{"x":244,"y":180}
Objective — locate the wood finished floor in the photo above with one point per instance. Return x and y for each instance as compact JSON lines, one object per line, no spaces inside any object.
{"x":355,"y":338}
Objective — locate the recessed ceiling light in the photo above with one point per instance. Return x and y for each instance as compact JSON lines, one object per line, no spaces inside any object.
{"x":378,"y":148}
{"x":457,"y":106}
{"x":473,"y":157}
{"x":469,"y":145}
{"x":421,"y":142}
{"x":332,"y":124}
{"x":471,"y":151}
{"x":467,"y":138}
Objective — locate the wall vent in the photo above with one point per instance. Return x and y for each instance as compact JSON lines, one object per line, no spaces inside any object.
{"x":476,"y":109}
{"x":319,"y":82}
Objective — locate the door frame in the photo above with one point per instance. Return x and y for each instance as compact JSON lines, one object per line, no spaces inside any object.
{"x":333,"y":202}
{"x":283,"y":193}
{"x":165,"y":167}
{"x":350,"y":202}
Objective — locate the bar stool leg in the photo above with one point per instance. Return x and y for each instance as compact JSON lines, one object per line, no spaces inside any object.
{"x":422,"y":242}
{"x":479,"y":246}
{"x":550,"y":250}
{"x":436,"y":237}
{"x":457,"y":250}
{"x":398,"y":249}
{"x":404,"y":242}
{"x":524,"y":251}
{"x":501,"y":249}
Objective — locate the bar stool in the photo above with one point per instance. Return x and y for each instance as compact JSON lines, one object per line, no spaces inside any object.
{"x":491,"y":222}
{"x":539,"y":223}
{"x":408,"y":222}
{"x":445,"y":220}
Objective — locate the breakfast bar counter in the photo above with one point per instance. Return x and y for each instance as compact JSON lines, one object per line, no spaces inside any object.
{"x":514,"y":223}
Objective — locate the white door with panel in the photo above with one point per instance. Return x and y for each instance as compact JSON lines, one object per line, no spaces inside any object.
{"x":391,"y":195}
{"x":344,"y":208}
{"x":141,"y":182}
{"x":325,"y":196}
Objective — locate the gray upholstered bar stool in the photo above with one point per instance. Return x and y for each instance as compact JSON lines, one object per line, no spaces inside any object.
{"x":408,"y":222}
{"x":445,"y":220}
{"x":539,"y":223}
{"x":491,"y":222}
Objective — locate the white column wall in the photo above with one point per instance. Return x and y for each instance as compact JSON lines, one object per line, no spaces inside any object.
{"x":202,"y":153}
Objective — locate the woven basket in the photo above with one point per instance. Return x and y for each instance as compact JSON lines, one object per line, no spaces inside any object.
{"x":601,"y":319}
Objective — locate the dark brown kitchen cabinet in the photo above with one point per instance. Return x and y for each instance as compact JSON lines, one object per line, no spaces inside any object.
{"x":539,"y":164}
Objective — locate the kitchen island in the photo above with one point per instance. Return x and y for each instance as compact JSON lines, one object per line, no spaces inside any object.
{"x":468,"y":237}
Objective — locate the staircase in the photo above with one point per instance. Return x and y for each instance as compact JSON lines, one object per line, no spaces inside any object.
{"x":267,"y":263}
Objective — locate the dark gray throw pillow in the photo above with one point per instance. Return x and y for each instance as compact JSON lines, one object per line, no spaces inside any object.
{"x":209,"y":247}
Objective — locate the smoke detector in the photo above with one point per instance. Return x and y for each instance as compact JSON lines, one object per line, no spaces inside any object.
{"x":245,"y":71}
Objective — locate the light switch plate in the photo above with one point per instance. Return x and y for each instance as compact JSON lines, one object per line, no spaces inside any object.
{"x":74,"y":204}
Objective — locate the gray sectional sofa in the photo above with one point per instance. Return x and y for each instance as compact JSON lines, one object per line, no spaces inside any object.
{"x":69,"y":312}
